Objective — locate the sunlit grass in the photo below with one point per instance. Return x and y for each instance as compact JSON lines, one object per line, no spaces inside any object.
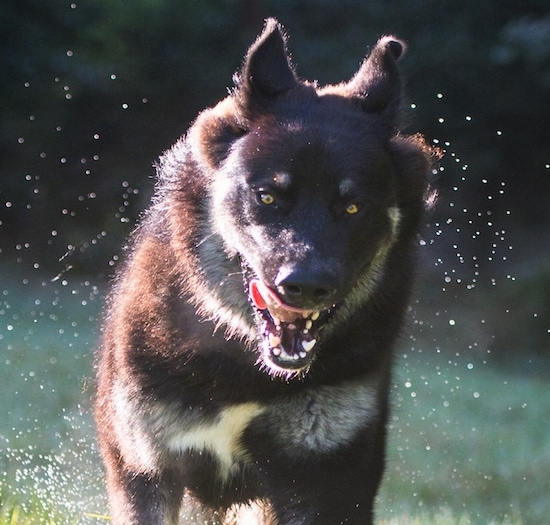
{"x":468,"y":438}
{"x":444,"y":517}
{"x":468,"y":442}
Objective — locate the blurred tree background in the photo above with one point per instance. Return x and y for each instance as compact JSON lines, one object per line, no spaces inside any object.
{"x":93,"y":91}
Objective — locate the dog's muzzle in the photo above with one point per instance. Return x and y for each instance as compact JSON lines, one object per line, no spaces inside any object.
{"x":289,"y":334}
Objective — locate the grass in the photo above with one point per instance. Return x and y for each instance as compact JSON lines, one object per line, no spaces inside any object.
{"x":468,"y":440}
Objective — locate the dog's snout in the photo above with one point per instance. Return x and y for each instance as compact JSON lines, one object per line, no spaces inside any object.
{"x":305,"y":289}
{"x":313,"y":291}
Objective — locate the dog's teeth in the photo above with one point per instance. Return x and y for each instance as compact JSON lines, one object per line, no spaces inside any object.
{"x":284,"y":356}
{"x":276,"y":351}
{"x":291,"y":326}
{"x":302,"y":354}
{"x":308,"y":345}
{"x":274,"y":340}
{"x":315,"y":316}
{"x":277,"y":322}
{"x":306,"y":314}
{"x":305,"y":331}
{"x":309,"y":324}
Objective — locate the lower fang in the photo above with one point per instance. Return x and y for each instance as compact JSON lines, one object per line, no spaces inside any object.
{"x":276,"y":351}
{"x":308,"y":345}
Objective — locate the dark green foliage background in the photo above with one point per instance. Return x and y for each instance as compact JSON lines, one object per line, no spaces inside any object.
{"x":92,"y":92}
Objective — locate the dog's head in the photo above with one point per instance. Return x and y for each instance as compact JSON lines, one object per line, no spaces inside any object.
{"x":311,"y":189}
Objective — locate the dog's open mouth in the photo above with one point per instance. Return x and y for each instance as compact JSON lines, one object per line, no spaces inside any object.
{"x":289,"y":333}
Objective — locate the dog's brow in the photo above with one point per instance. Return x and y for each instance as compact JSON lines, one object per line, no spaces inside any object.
{"x":283,"y":180}
{"x":346,"y":187}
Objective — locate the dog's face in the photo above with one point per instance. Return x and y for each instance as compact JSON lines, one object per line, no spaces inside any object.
{"x":305,"y":191}
{"x":308,"y":207}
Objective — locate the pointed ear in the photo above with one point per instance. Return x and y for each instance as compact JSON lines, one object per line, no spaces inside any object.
{"x":266,"y":72}
{"x":377,"y":82}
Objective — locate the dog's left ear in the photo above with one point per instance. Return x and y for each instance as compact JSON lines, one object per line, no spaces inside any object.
{"x":266,"y":72}
{"x":377,"y":83}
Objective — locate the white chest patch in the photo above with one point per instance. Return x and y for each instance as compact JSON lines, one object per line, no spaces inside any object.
{"x":219,"y":437}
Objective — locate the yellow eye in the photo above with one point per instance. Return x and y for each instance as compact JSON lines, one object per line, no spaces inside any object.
{"x":353,"y":208}
{"x":267,"y":198}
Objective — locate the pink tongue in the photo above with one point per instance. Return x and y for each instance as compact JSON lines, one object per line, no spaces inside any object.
{"x":256,"y":294}
{"x":264,"y":298}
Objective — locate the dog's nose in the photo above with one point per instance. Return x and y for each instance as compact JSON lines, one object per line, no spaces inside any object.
{"x":305,"y":289}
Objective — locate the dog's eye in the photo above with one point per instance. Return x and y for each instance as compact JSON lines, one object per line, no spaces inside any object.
{"x":353,"y":208}
{"x":266,"y":198}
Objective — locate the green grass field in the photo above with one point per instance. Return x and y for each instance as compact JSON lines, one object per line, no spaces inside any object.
{"x":469,"y":442}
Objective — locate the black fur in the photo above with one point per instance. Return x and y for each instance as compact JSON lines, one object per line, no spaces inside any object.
{"x":247,"y":348}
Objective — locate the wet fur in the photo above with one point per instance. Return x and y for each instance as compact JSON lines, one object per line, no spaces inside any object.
{"x":188,"y":408}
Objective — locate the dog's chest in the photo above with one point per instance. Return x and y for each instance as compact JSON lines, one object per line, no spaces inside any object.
{"x":220,"y":437}
{"x":315,"y":421}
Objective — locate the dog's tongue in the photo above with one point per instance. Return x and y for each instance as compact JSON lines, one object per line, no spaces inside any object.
{"x":265,"y":298}
{"x":255,"y":289}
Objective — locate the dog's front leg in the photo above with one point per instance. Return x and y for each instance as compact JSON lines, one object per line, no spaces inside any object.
{"x":143,"y":499}
{"x":340,"y":491}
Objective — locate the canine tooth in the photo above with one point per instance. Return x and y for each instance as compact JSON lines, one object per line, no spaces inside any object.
{"x":308,"y":345}
{"x":274,"y":340}
{"x":309,"y":324}
{"x":315,"y":316}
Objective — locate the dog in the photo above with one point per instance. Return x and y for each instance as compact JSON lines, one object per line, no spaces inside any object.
{"x":247,"y":347}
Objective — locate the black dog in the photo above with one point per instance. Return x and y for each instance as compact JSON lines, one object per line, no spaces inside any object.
{"x":247,"y":347}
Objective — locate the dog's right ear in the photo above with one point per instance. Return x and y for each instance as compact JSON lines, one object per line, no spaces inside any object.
{"x":265,"y":75}
{"x":266,"y":72}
